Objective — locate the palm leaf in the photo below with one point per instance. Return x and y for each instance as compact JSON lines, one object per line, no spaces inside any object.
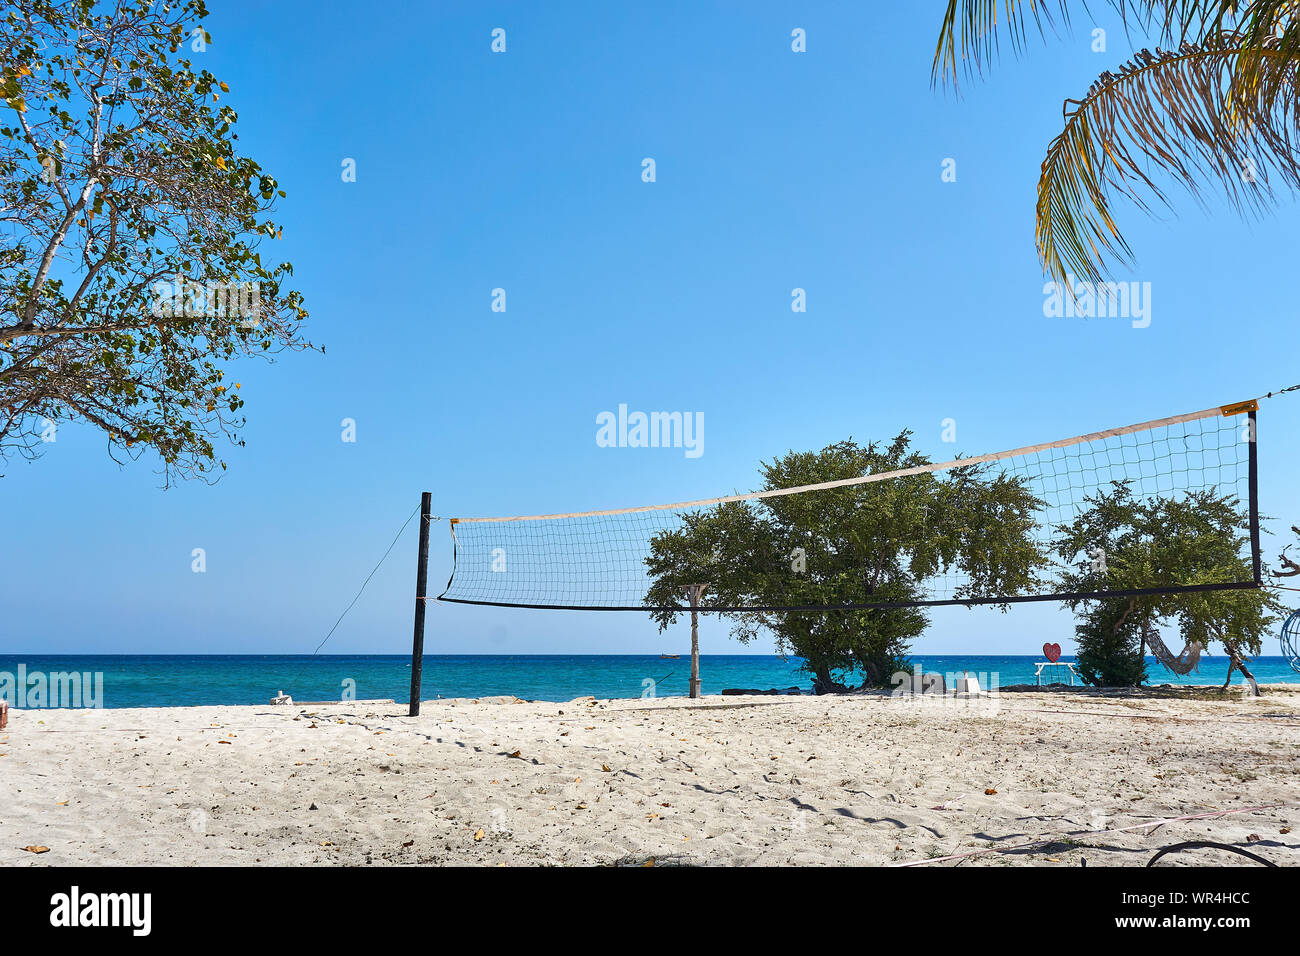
{"x":970,"y":28}
{"x":1187,"y":113}
{"x":1226,"y":98}
{"x":1270,"y":30}
{"x":1261,"y":25}
{"x":1186,"y":19}
{"x":969,"y":31}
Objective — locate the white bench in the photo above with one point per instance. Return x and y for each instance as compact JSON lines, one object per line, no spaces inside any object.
{"x":1038,"y":672}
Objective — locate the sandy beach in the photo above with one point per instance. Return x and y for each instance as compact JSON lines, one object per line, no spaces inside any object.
{"x":721,"y":781}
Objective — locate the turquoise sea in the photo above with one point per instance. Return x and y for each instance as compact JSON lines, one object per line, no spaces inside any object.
{"x":173,"y":680}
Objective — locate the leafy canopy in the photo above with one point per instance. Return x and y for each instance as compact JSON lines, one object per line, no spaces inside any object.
{"x":1121,"y":542}
{"x":1218,"y":101}
{"x":130,"y":223}
{"x":873,"y":542}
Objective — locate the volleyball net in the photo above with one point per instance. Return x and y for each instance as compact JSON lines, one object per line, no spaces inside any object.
{"x":986,"y":529}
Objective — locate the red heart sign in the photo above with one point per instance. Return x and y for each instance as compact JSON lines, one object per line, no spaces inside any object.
{"x":1052,"y":652}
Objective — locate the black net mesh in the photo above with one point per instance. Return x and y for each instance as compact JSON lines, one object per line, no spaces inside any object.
{"x":598,"y":560}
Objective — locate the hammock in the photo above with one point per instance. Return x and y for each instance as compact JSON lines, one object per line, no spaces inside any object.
{"x":1184,"y":663}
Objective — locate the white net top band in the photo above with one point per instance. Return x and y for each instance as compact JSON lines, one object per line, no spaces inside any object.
{"x":1234,"y":409}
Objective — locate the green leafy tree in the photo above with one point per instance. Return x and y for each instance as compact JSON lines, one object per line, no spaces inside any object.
{"x":873,"y":542}
{"x":130,"y":270}
{"x":1215,"y":102}
{"x":1120,"y":542}
{"x":1108,"y":646}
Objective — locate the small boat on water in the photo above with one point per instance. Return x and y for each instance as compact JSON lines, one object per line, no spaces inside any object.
{"x":670,"y":657}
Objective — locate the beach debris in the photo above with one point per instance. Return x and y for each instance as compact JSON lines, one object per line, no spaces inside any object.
{"x":989,"y":791}
{"x":604,"y":768}
{"x":1253,"y":838}
{"x":947,"y":805}
{"x":478,"y":835}
{"x":281,"y":698}
{"x":518,"y":755}
{"x":37,"y":849}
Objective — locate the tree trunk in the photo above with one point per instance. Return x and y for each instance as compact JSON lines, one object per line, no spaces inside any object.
{"x":824,"y":684}
{"x":695,"y":652}
{"x":1237,"y":661}
{"x":1228,"y":680}
{"x":695,"y":591}
{"x":1250,"y":677}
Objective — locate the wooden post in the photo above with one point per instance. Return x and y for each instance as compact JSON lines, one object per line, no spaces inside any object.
{"x":695,"y":591}
{"x":421,"y":582}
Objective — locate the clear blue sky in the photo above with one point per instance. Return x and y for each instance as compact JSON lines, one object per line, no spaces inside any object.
{"x":522,"y":170}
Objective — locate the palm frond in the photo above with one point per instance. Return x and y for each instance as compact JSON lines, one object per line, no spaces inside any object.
{"x":970,"y":30}
{"x":1181,"y":113}
{"x":1177,"y":20}
{"x":1269,"y":29}
{"x":1265,"y":27}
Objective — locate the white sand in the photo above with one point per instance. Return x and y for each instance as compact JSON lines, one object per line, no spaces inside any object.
{"x":737,"y":780}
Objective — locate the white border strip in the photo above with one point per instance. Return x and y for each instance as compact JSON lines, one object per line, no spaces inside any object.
{"x":867,"y":479}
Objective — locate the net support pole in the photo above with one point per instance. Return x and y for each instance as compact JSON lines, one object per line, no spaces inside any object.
{"x":1253,"y":481}
{"x":694,"y":591}
{"x":421,"y":588}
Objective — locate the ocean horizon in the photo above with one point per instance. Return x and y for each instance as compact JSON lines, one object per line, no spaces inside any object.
{"x":177,"y":680}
